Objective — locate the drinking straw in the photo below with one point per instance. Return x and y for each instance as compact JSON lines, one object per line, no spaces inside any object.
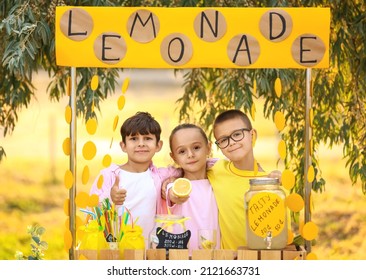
{"x":115,"y":221}
{"x":89,"y":212}
{"x":103,"y":225}
{"x":126,"y":216}
{"x":122,"y":225}
{"x":121,"y":233}
{"x":105,"y":204}
{"x":106,"y":222}
{"x":99,"y":214}
{"x":110,"y":215}
{"x":136,"y":220}
{"x":129,"y":213}
{"x":122,"y":210}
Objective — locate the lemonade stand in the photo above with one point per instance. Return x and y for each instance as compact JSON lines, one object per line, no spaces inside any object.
{"x":178,"y":38}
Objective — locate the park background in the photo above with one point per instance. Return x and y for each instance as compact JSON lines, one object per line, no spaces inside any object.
{"x":31,"y":176}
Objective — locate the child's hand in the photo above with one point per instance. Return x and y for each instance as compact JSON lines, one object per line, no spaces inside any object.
{"x":164,"y":186}
{"x":118,"y":195}
{"x":276,"y":174}
{"x":175,"y":199}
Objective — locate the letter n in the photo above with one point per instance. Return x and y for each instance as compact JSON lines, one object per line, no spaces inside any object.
{"x":204,"y":19}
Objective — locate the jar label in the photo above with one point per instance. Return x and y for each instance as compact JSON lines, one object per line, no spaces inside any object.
{"x":169,"y":240}
{"x":266,"y":213}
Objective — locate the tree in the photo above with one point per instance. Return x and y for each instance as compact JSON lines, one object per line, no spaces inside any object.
{"x":339,"y":95}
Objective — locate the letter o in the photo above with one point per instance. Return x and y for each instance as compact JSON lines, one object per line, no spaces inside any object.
{"x":176,"y":49}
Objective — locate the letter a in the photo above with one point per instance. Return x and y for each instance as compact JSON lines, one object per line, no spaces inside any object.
{"x":243,"y":38}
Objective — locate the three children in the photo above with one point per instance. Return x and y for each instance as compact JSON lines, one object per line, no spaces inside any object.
{"x":137,"y":183}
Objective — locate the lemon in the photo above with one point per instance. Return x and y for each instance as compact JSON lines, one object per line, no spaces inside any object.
{"x":182,"y":187}
{"x":208,"y":244}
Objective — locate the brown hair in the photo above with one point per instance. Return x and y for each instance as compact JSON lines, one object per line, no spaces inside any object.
{"x":141,"y":123}
{"x":232,"y":114}
{"x":185,"y":126}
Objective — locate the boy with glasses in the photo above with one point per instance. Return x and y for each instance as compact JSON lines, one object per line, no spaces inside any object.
{"x":229,"y":177}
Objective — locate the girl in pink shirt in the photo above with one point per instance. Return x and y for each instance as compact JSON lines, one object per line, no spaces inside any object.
{"x":190,"y":149}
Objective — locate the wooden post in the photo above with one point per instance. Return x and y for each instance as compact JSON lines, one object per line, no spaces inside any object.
{"x":72,"y":191}
{"x":308,"y":136}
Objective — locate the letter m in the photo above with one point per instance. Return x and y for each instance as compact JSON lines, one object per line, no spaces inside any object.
{"x":143,"y":23}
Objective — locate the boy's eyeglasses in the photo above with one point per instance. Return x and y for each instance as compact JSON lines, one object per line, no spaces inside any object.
{"x":236,"y":136}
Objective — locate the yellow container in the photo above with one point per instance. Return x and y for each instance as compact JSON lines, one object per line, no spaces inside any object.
{"x":266,"y":218}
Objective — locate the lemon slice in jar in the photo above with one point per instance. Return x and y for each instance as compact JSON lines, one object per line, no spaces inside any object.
{"x":182,"y":187}
{"x":208,"y":244}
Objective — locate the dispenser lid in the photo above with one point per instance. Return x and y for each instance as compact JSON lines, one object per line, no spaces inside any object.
{"x":264,"y":181}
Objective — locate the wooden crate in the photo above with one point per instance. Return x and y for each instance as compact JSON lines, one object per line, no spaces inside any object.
{"x":288,"y":253}
{"x":204,"y":254}
{"x":243,"y":253}
{"x":109,"y":254}
{"x":86,"y":254}
{"x":156,"y":254}
{"x":131,"y":254}
{"x":178,"y":254}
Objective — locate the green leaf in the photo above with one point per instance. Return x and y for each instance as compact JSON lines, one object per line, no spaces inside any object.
{"x":36,"y":239}
{"x":40,"y":230}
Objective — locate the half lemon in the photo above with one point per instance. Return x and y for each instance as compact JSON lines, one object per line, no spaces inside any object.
{"x":182,"y":187}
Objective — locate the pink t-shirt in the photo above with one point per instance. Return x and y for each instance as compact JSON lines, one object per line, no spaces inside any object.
{"x":158,"y":175}
{"x":202,"y":210}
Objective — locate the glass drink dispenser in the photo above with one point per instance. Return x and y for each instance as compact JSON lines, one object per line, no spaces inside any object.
{"x":266,"y":215}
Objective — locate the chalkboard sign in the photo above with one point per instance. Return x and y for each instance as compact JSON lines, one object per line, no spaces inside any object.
{"x":169,"y":240}
{"x":110,"y":238}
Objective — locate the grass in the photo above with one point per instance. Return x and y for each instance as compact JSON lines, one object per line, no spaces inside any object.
{"x":31,"y":177}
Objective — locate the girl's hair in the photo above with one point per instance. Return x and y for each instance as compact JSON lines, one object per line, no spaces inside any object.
{"x":184,"y":126}
{"x":141,"y":123}
{"x":232,"y":114}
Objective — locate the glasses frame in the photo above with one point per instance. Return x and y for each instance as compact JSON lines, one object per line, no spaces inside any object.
{"x":231,"y":137}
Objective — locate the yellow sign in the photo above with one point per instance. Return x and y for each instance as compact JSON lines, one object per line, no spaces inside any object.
{"x":152,"y":37}
{"x":266,"y":212}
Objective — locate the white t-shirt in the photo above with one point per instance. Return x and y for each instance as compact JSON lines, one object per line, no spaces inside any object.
{"x":140,"y":198}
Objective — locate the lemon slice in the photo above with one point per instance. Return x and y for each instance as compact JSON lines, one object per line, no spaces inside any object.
{"x":278,"y":87}
{"x":182,"y":187}
{"x":94,"y":82}
{"x":208,"y":244}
